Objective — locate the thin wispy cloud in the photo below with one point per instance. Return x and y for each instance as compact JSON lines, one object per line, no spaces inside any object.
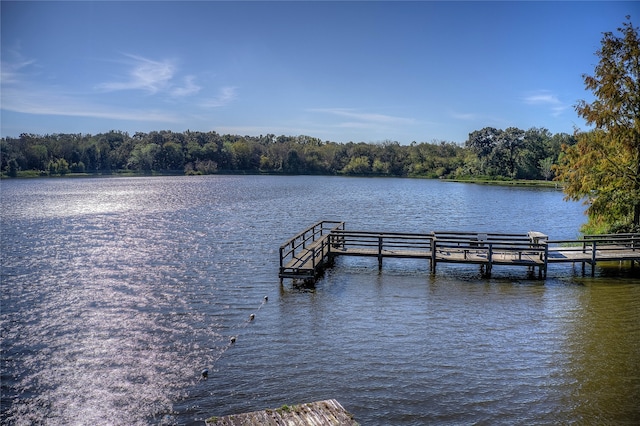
{"x":225,"y":96}
{"x":277,"y":129}
{"x":188,"y":88}
{"x":15,"y":67}
{"x":11,"y":72}
{"x":481,"y":118}
{"x":548,"y":99}
{"x":50,"y":102}
{"x":153,"y":77}
{"x":466,"y":116}
{"x":362,"y":117}
{"x":25,"y":91}
{"x":145,"y":74}
{"x":354,"y":125}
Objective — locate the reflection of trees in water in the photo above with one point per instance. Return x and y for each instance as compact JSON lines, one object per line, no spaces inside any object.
{"x":604,"y":351}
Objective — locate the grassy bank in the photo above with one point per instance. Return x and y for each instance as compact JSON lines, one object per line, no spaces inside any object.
{"x":516,"y":182}
{"x":130,"y":173}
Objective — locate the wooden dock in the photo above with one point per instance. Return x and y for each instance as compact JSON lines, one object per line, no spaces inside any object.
{"x":307,"y":254}
{"x":328,"y":412}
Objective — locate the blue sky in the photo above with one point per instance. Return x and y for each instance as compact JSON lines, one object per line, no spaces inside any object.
{"x":339,"y":71}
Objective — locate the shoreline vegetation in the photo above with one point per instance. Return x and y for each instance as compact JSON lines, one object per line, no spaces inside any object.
{"x":34,"y":174}
{"x":507,"y":157}
{"x":518,"y":182}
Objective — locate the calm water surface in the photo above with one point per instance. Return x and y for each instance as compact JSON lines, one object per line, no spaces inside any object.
{"x":118,"y":292}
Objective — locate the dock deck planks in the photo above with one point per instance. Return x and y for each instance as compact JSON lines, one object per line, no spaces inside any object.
{"x":328,"y":412}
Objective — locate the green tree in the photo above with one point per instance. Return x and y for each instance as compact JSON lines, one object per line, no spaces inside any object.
{"x":508,"y":149}
{"x":604,"y":166}
{"x":380,"y":167}
{"x":206,"y":167}
{"x":293,"y":164}
{"x":483,"y":143}
{"x":536,"y":149}
{"x":91,"y":157}
{"x":37,"y":157}
{"x":12,"y":168}
{"x":58,"y":166}
{"x":194,"y":151}
{"x":546,"y":167}
{"x":171,"y":156}
{"x":357,"y":166}
{"x":144,"y":157}
{"x":78,"y":167}
{"x":246,"y":155}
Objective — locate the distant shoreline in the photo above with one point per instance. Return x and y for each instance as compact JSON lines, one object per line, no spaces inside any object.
{"x":519,"y":182}
{"x":32,"y":174}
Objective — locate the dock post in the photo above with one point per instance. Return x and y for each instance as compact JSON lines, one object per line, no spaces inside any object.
{"x":490,"y":260}
{"x":280,"y":259}
{"x":546,"y":260}
{"x":379,"y":252}
{"x":313,"y":259}
{"x":593,"y":259}
{"x":433,"y":255}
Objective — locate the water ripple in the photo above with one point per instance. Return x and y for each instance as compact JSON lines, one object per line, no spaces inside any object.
{"x":117,"y":293}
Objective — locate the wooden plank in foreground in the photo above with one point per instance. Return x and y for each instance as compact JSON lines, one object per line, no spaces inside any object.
{"x":328,"y":412}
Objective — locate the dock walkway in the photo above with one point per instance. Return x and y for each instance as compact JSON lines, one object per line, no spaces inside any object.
{"x":307,"y":254}
{"x":328,"y":412}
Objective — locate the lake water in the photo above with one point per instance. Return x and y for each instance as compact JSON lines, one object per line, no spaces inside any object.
{"x":118,"y":292}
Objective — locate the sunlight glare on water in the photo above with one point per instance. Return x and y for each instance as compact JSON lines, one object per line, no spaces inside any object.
{"x":118,"y":292}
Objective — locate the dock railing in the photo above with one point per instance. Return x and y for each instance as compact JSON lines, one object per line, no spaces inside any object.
{"x":381,"y":245}
{"x":615,"y":241}
{"x":593,"y":248}
{"x":304,"y":253}
{"x":591,"y":244}
{"x":310,"y":251}
{"x":487,"y":249}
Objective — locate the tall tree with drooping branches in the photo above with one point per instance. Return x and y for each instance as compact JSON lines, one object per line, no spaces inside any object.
{"x":604,"y":166}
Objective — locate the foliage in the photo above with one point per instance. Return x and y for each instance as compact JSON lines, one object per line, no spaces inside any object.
{"x":58,"y":166}
{"x":514,"y":154}
{"x":604,"y":166}
{"x":546,"y":167}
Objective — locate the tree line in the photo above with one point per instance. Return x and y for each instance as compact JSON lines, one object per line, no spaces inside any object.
{"x":488,"y":153}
